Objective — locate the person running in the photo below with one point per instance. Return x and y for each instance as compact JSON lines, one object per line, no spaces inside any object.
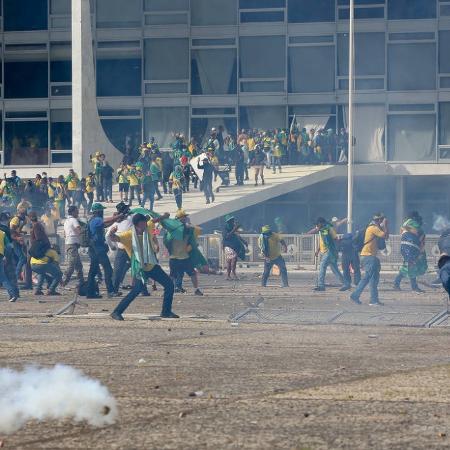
{"x":271,"y":244}
{"x":376,"y":231}
{"x":180,"y":260}
{"x":98,"y":252}
{"x":72,"y":231}
{"x":142,"y":247}
{"x":413,"y":251}
{"x":234,"y":246}
{"x":328,"y":254}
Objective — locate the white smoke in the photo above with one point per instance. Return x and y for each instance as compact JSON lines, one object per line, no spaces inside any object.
{"x":440,"y":223}
{"x":56,"y":393}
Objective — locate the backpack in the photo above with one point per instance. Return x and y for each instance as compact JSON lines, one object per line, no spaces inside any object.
{"x":85,"y":235}
{"x":38,"y":249}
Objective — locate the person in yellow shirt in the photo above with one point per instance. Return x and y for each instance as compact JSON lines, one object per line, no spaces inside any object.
{"x":328,"y":253}
{"x":90,"y":189}
{"x":376,"y":231}
{"x":72,"y":182}
{"x":271,"y":244}
{"x":142,"y":248}
{"x":47,"y":267}
{"x":134,"y":178}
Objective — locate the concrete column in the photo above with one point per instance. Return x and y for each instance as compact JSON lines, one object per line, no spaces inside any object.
{"x":88,"y":135}
{"x":400,"y":203}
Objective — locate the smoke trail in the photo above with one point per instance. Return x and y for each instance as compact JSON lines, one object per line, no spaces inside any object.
{"x":61,"y":392}
{"x":440,"y":223}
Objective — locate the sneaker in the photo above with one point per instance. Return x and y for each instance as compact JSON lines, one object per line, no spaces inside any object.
{"x":171,"y":315}
{"x":355,"y":299}
{"x":208,"y":202}
{"x":198,"y":292}
{"x":52,"y":293}
{"x":345,"y":288}
{"x":114,"y":294}
{"x":116,"y":316}
{"x":13,"y":299}
{"x":94,"y":297}
{"x":154,"y":288}
{"x":377,"y":303}
{"x":418,"y":290}
{"x":319,"y":289}
{"x":38,"y":292}
{"x":180,"y":291}
{"x":397,"y":287}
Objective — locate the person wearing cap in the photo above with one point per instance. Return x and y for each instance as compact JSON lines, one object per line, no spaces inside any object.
{"x":142,"y":247}
{"x":180,"y":253}
{"x":377,"y":229}
{"x":271,"y":244}
{"x":234,"y":246}
{"x":328,"y":253}
{"x":98,"y":251}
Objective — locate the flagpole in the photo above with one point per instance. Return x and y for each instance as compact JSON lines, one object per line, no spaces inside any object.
{"x":351,"y":86}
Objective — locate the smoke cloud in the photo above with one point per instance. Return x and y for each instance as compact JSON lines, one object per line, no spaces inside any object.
{"x":56,"y":393}
{"x":440,"y":223}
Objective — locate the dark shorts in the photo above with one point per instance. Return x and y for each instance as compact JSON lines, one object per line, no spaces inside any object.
{"x":124,"y":187}
{"x":181,"y":267}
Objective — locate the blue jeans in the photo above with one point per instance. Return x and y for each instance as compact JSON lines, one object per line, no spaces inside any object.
{"x":372,"y":267}
{"x":160,"y":277}
{"x":4,"y":280}
{"x":21,"y":258}
{"x":330,"y":260}
{"x":283,"y":271}
{"x":99,"y":257}
{"x":50,"y":270}
{"x":149,"y":194}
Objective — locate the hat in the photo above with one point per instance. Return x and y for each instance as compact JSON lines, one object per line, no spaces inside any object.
{"x":97,"y":207}
{"x":181,"y":213}
{"x":378,"y":216}
{"x":122,"y":208}
{"x":334,"y":219}
{"x":229,"y":217}
{"x":265,"y":229}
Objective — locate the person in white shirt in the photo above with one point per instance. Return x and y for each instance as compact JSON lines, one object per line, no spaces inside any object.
{"x":72,"y":231}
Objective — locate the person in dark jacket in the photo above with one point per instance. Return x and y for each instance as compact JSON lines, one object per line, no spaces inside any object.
{"x":208,"y":173}
{"x":107,"y":178}
{"x":258,"y":162}
{"x":240,"y":166}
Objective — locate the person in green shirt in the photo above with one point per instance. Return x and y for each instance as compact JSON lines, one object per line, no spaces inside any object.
{"x":156,"y":175}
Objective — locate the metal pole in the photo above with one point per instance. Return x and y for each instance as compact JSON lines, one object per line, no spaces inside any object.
{"x":351,"y":86}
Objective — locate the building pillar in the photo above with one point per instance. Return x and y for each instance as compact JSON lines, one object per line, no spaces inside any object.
{"x":88,"y":135}
{"x":400,"y":203}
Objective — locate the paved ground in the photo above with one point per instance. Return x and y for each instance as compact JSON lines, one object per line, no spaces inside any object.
{"x":265,"y":386}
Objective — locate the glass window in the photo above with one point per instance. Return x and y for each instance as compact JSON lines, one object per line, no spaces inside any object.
{"x":166,"y":19}
{"x":412,"y":137}
{"x":166,"y":59}
{"x":444,"y":123}
{"x":213,"y":71}
{"x":122,"y":132}
{"x":118,"y":77}
{"x":61,"y":129}
{"x":255,"y":4}
{"x":311,"y":69}
{"x":115,"y":14}
{"x":62,"y":158}
{"x":369,"y":54}
{"x":60,"y":7}
{"x":411,"y":9}
{"x":26,"y":143}
{"x":311,"y":11}
{"x":25,"y":15}
{"x":164,"y":5}
{"x":412,"y":67}
{"x":26,"y":79}
{"x":262,"y":16}
{"x":262,"y":86}
{"x":262,"y":57}
{"x":213,"y":12}
{"x":262,"y":117}
{"x":444,"y":51}
{"x":362,"y":13}
{"x":61,"y":62}
{"x":162,"y":123}
{"x":201,"y":127}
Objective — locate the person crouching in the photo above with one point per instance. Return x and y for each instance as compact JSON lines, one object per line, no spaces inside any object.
{"x":48,"y":268}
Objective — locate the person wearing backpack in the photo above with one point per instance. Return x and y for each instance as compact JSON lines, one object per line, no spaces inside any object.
{"x":374,"y":240}
{"x":329,"y":254}
{"x":72,"y":232}
{"x":350,"y":258}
